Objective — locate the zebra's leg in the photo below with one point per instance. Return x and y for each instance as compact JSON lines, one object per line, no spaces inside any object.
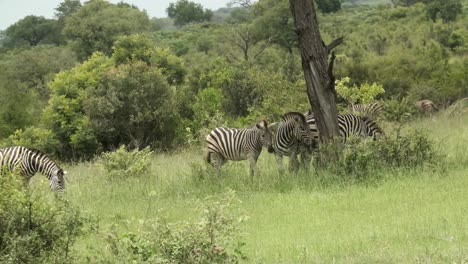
{"x":279,"y":162}
{"x":293,"y":163}
{"x":306,"y":157}
{"x":253,"y":164}
{"x":217,"y":161}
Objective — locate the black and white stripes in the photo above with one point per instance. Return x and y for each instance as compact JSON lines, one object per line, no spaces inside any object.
{"x":29,"y":162}
{"x":290,"y":134}
{"x":371,"y":110}
{"x":238,"y":144}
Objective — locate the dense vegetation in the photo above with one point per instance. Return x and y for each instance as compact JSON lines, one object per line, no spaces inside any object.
{"x":101,"y":75}
{"x":127,"y":100}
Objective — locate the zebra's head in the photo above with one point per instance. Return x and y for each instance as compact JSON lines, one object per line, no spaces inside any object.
{"x":373,"y":129}
{"x":57,"y":181}
{"x":265,"y":135}
{"x":301,"y":127}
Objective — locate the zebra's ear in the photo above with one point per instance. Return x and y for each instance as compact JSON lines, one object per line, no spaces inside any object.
{"x":260,"y":125}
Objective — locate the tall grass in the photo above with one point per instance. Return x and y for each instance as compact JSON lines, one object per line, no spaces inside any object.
{"x":406,"y":216}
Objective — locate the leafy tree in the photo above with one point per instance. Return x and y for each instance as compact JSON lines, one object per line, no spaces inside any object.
{"x":31,"y":30}
{"x":37,"y":66}
{"x":328,"y":6}
{"x":64,"y":114}
{"x":17,"y":106}
{"x":364,"y":94}
{"x":274,"y":21}
{"x":66,"y":8}
{"x":97,"y":24}
{"x":139,"y":47}
{"x":133,"y":104}
{"x":447,"y":10}
{"x":185,"y":12}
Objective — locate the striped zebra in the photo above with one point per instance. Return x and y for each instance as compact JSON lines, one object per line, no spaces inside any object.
{"x":426,"y":106}
{"x":290,"y":134}
{"x":371,"y":110}
{"x":348,"y":125}
{"x":31,"y":161}
{"x":238,"y":144}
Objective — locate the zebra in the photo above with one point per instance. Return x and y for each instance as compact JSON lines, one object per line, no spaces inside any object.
{"x":289,"y":135}
{"x":348,"y":125}
{"x":238,"y":144}
{"x":31,"y":161}
{"x":371,"y":110}
{"x":426,"y":106}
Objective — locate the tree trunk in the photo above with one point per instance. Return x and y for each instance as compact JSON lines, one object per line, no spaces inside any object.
{"x":318,"y":73}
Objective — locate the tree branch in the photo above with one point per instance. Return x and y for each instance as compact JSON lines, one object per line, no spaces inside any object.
{"x":334,"y":43}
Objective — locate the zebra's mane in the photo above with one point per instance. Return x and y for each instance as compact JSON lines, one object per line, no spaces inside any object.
{"x":41,"y":154}
{"x":289,"y":115}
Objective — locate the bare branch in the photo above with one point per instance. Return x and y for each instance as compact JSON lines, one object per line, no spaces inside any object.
{"x":262,"y":49}
{"x":334,"y":43}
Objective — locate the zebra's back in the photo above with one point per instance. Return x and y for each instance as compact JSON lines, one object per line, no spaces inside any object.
{"x":232,"y":143}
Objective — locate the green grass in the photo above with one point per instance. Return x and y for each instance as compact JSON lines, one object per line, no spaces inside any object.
{"x":417,"y":215}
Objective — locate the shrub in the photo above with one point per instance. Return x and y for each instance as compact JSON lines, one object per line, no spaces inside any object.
{"x":363,"y":159}
{"x":33,"y":229}
{"x":122,"y":163}
{"x":214,"y":238}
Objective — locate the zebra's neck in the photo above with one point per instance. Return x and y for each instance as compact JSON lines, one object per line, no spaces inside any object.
{"x":46,"y":166}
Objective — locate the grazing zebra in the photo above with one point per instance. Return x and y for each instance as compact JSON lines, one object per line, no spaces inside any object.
{"x":348,"y":125}
{"x":427,"y":106}
{"x":31,"y":161}
{"x":291,"y":133}
{"x":371,"y":110}
{"x":238,"y":144}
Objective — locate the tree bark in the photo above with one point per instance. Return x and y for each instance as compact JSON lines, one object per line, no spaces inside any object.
{"x":318,"y":71}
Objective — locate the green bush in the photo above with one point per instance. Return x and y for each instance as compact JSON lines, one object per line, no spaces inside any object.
{"x":123,"y":164}
{"x":34,"y":229}
{"x":364,"y":159}
{"x":214,"y":238}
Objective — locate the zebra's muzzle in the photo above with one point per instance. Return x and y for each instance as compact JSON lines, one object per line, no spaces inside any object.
{"x":271,"y":149}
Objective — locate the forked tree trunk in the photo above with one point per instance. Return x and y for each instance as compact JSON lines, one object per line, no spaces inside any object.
{"x":318,"y":71}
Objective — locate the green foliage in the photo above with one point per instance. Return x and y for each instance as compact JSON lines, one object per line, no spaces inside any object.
{"x":214,"y":238}
{"x":363,"y":159}
{"x":17,"y":106}
{"x":447,"y":10}
{"x":31,"y":30}
{"x":122,"y":164}
{"x":185,"y":12}
{"x":399,"y":111}
{"x":112,"y":21}
{"x":207,"y":114}
{"x":328,"y":6}
{"x":34,"y":229}
{"x":37,"y":66}
{"x":66,"y":8}
{"x":34,"y":137}
{"x":365,"y":93}
{"x":139,"y":47}
{"x":133,"y":104}
{"x":64,"y":114}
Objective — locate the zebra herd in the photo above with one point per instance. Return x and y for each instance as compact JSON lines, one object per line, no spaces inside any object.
{"x":295,"y":134}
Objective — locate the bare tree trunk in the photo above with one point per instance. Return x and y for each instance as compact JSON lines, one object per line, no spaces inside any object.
{"x":317,"y":70}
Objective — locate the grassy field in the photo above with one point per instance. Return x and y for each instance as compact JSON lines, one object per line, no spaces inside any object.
{"x":414,"y":215}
